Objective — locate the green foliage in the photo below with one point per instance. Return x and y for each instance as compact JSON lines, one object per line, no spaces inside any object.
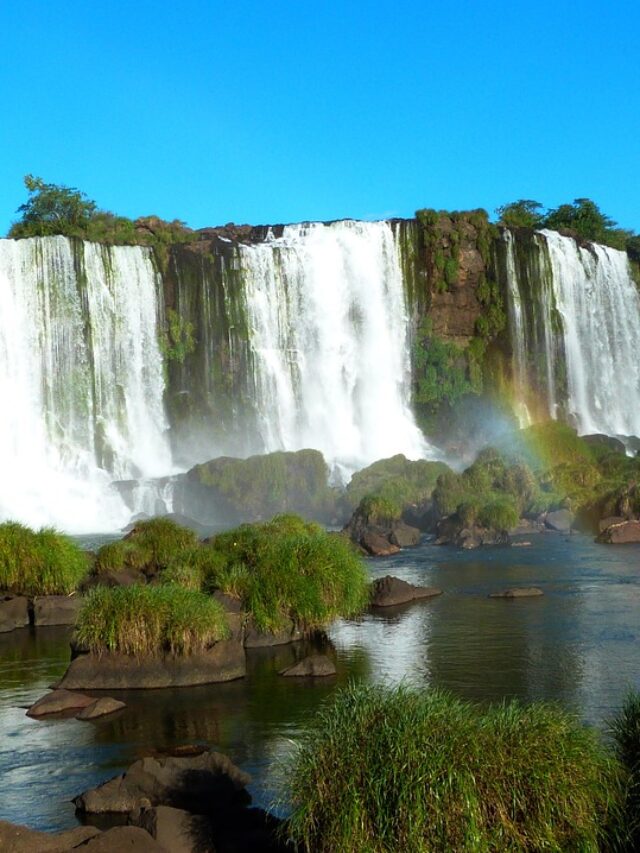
{"x":523,"y":213}
{"x":178,"y":340}
{"x":382,"y":770}
{"x":625,"y":728}
{"x":500,"y":513}
{"x":39,"y":563}
{"x":440,"y":370}
{"x":150,"y":547}
{"x":398,"y":480}
{"x":289,"y":569}
{"x":150,"y":620}
{"x":52,"y":209}
{"x":262,"y":486}
{"x":374,"y":509}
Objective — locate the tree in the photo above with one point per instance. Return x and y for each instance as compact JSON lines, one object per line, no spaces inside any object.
{"x":584,"y":217}
{"x":524,"y":213}
{"x":52,"y":209}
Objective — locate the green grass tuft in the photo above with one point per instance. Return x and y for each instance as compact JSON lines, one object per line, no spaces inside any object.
{"x":150,"y":547}
{"x":401,"y":770}
{"x":150,"y":620}
{"x":625,"y":728}
{"x":42,"y":562}
{"x":288,"y":569}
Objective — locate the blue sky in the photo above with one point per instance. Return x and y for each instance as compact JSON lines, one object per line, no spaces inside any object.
{"x":276,"y":112}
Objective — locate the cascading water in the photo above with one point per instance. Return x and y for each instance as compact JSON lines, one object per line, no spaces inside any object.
{"x":81,"y":381}
{"x":328,"y":334}
{"x":574,"y":316}
{"x":600,"y":308}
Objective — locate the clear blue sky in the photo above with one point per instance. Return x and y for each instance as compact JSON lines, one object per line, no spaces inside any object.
{"x":276,"y":112}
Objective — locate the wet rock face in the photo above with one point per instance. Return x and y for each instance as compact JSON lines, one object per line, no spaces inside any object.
{"x":14,"y":612}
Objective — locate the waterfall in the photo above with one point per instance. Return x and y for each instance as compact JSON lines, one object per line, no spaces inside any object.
{"x":600,"y":309}
{"x":328,"y":335}
{"x":81,"y":381}
{"x":574,"y":316}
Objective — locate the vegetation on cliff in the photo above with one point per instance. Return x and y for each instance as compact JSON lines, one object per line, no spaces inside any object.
{"x":400,"y":769}
{"x":145,"y":620}
{"x":42,"y":562}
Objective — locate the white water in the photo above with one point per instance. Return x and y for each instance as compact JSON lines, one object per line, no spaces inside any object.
{"x":600,"y":308}
{"x":81,"y":382}
{"x":328,"y":327}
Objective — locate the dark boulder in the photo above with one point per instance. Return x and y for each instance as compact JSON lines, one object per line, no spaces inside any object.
{"x":15,"y":838}
{"x":314,"y":666}
{"x":224,"y":661}
{"x":404,"y":536}
{"x":196,"y":783}
{"x":14,"y":612}
{"x":622,"y":533}
{"x":255,"y":639}
{"x":599,"y":440}
{"x":377,"y":544}
{"x":608,"y":522}
{"x":388,"y":591}
{"x":59,"y":702}
{"x":56,"y":609}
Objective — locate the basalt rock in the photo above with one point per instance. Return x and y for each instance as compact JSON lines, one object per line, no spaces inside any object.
{"x":622,"y":533}
{"x":224,"y":661}
{"x":14,"y":612}
{"x":389,"y":591}
{"x":56,"y":609}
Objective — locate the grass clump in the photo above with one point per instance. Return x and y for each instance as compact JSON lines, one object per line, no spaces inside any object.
{"x":393,"y":770}
{"x":397,"y":479}
{"x":625,"y":729}
{"x":288,"y":569}
{"x":150,"y":547}
{"x":150,"y":620}
{"x":42,"y":562}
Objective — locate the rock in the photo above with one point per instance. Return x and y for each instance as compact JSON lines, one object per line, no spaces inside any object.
{"x":560,"y":520}
{"x":404,"y":536}
{"x":377,"y":545}
{"x":254,"y":639}
{"x":176,"y":830}
{"x":14,"y":612}
{"x":56,"y":609}
{"x":608,"y":522}
{"x":124,"y":839}
{"x":314,"y":666}
{"x":622,"y":533}
{"x":389,"y":590}
{"x":224,"y":661}
{"x":21,"y":839}
{"x":100,"y":708}
{"x":193,"y":782}
{"x":59,"y":701}
{"x":605,"y":441}
{"x":518,"y":592}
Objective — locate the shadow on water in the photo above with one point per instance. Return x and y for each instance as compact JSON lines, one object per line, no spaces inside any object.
{"x":578,"y":645}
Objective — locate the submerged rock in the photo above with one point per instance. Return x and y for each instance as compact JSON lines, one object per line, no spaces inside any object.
{"x":100,"y":708}
{"x":14,"y":612}
{"x":518,"y":592}
{"x":389,"y":590}
{"x":314,"y":666}
{"x":59,"y":701}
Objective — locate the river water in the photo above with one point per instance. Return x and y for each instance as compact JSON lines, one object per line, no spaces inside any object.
{"x":578,"y":645}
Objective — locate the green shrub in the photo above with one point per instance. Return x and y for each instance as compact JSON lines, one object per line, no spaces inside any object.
{"x":150,"y":547}
{"x":397,"y":479}
{"x":382,"y":770}
{"x":500,"y":513}
{"x":626,"y":734}
{"x":39,"y":563}
{"x":150,"y":620}
{"x":377,"y":510}
{"x":288,"y":569}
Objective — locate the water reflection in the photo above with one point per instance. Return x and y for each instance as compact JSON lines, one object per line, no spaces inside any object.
{"x":577,"y":644}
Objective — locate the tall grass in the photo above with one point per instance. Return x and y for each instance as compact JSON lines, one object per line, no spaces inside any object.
{"x":150,"y":620}
{"x":42,"y":562}
{"x":402,"y":770}
{"x":625,"y":728}
{"x":288,"y":569}
{"x":150,"y":547}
